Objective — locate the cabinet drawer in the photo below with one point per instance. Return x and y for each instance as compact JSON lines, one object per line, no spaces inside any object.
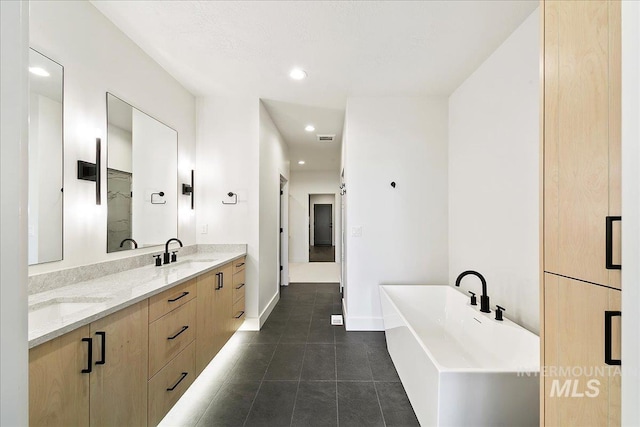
{"x":238,"y":265}
{"x":170,"y":383}
{"x":170,"y":334}
{"x":164,"y":302}
{"x":238,"y":311}
{"x":238,"y":286}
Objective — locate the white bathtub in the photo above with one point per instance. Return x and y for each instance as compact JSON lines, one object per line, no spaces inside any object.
{"x":460,"y":367}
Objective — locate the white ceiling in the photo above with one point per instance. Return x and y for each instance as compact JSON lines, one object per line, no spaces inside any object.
{"x":348,"y":48}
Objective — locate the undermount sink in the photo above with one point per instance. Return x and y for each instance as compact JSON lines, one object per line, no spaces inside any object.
{"x":59,"y":308}
{"x":191,"y":262}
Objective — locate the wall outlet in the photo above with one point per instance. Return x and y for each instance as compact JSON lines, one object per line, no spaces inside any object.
{"x":205,"y":229}
{"x":356,"y":231}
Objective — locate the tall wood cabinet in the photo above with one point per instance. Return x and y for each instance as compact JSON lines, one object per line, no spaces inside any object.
{"x":70,"y":386}
{"x":581,"y":211}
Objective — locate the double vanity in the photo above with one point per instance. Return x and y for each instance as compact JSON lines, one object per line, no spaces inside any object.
{"x":121,"y":349}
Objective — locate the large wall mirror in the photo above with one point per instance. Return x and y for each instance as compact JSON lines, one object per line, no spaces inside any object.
{"x":142,"y":178}
{"x":45,"y":159}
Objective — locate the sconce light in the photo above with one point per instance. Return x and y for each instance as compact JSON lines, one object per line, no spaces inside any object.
{"x":188,"y":189}
{"x":235,"y":200}
{"x":91,"y":171}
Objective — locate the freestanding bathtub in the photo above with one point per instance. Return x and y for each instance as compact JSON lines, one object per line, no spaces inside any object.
{"x":460,"y":367}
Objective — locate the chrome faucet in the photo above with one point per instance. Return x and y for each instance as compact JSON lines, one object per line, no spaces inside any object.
{"x":484,"y":299}
{"x":166,"y":250}
{"x":135,"y":244}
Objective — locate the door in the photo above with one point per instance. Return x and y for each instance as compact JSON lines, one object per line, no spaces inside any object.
{"x":58,"y":389}
{"x":119,"y":384}
{"x":582,"y":139}
{"x":581,"y":388}
{"x":323,"y":226}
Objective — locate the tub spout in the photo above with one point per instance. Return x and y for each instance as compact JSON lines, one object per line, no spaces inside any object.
{"x":484,"y":299}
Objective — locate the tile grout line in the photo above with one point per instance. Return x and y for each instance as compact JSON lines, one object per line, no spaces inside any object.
{"x":380,"y":404}
{"x":260,"y":386}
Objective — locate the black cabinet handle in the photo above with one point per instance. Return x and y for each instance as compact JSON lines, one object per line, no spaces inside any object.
{"x":608,"y":315}
{"x":184,"y":294}
{"x":239,"y":315}
{"x":89,"y":342}
{"x":239,"y":265}
{"x":219,"y":281}
{"x":183,"y":376}
{"x":240,"y":286}
{"x":103,"y":352}
{"x":184,"y":328}
{"x":609,"y":239}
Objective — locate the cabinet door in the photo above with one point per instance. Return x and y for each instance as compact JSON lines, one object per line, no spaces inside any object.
{"x":119,"y":385}
{"x":205,"y":321}
{"x":224,"y":307}
{"x":58,"y":390}
{"x":581,"y":136}
{"x":580,"y":388}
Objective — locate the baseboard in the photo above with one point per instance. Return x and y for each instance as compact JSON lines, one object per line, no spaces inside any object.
{"x":363,"y":323}
{"x":269,"y":308}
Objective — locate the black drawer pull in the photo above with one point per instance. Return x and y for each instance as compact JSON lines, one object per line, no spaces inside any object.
{"x":184,"y":328}
{"x":240,"y":286}
{"x":183,"y":376}
{"x":184,"y":294}
{"x":608,"y":315}
{"x":219,"y":281}
{"x":239,"y":315}
{"x":609,"y":239}
{"x":103,"y":352}
{"x":89,"y":342}
{"x":239,"y":265}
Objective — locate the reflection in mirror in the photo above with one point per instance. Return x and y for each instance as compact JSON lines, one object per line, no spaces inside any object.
{"x":142,"y":178}
{"x":45,"y":159}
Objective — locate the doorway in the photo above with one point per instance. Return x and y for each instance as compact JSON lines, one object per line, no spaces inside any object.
{"x":321,"y":232}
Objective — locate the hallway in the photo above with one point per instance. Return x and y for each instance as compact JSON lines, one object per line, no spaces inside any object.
{"x":298,"y":371}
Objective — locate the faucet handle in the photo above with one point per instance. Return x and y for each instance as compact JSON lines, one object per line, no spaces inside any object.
{"x":474,"y":300}
{"x":499,"y":311}
{"x":158,"y":261}
{"x":174,"y":257}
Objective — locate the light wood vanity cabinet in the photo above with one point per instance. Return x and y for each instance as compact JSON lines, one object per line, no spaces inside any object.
{"x":580,"y":289}
{"x":113,"y":393}
{"x":214,"y":314}
{"x":152,"y":352}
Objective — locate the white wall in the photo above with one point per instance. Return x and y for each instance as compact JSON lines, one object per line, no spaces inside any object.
{"x":494,"y":176}
{"x":14,"y":130}
{"x":322,"y":199}
{"x":228,"y":160}
{"x":403,"y":230}
{"x":97,"y":57}
{"x":630,"y":212}
{"x":301,"y":185}
{"x":274,"y":162}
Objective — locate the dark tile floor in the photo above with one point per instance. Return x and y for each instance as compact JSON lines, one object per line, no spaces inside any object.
{"x":322,"y":253}
{"x":301,"y":371}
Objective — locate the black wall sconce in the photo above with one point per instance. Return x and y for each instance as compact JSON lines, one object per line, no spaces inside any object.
{"x":91,"y":171}
{"x":235,"y":200}
{"x":188,"y":189}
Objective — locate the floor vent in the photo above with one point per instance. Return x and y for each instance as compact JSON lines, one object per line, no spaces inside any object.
{"x":326,"y":138}
{"x":336,"y":319}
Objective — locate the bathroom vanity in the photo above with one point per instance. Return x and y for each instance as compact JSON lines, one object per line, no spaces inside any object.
{"x":121,"y":349}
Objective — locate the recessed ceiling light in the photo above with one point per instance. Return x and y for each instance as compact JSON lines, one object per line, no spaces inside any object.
{"x":309,"y":128}
{"x":298,"y":74}
{"x":301,"y":162}
{"x":39,"y":71}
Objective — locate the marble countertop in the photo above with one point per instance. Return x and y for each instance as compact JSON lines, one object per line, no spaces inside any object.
{"x":55,"y":312}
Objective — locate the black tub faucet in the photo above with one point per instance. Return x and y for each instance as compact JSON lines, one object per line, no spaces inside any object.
{"x":484,"y":299}
{"x":135,"y":244}
{"x":166,"y":249}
